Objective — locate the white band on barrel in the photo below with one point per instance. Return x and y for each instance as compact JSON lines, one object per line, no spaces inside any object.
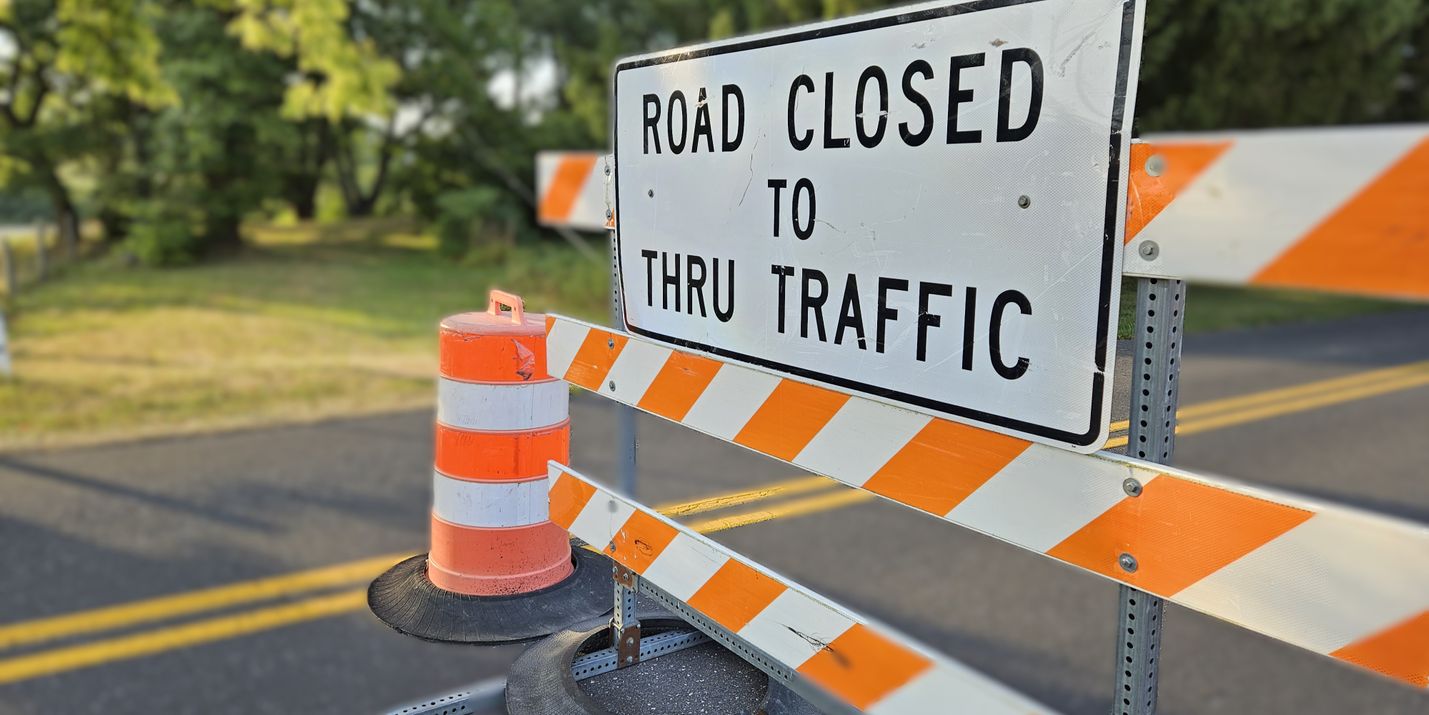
{"x":489,"y":504}
{"x":501,"y":405}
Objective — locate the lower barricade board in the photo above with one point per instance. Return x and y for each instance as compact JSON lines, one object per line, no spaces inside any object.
{"x":1334,"y":580}
{"x":856,"y":662}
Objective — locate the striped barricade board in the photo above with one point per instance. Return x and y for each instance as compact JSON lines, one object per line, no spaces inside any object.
{"x":571,"y":189}
{"x":1342,"y":209}
{"x":1334,"y":580}
{"x":858,"y":664}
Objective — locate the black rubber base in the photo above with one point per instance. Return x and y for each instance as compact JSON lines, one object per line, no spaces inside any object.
{"x":540,"y":681}
{"x":406,"y":600}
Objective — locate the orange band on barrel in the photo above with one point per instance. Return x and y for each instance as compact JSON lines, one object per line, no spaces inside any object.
{"x":490,"y":562}
{"x":494,"y":456}
{"x":476,"y":348}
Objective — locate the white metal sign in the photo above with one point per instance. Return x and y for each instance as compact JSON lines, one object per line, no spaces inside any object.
{"x":924,"y":206}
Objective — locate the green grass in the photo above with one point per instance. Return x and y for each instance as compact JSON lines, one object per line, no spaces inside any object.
{"x":317,"y":321}
{"x":1212,"y":308}
{"x":308,"y":322}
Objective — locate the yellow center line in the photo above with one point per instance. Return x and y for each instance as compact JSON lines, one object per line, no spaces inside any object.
{"x":1277,"y":409}
{"x":59,"y":660}
{"x":1256,"y":399}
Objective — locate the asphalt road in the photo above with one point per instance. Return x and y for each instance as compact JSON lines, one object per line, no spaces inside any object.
{"x":87,"y":528}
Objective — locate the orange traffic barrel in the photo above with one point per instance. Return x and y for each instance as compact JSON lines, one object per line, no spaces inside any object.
{"x":498,"y":569}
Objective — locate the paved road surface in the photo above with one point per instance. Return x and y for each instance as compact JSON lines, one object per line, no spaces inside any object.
{"x":88,"y":528}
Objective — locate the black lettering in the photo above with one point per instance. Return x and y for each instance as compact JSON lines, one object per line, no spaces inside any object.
{"x":800,"y":187}
{"x":649,"y":257}
{"x":783,"y":272}
{"x":778,"y":185}
{"x":696,"y":286}
{"x":851,"y":315}
{"x":728,"y":311}
{"x":810,"y":303}
{"x":958,"y":96}
{"x":702,"y":123}
{"x":920,"y":67}
{"x":731,"y":92}
{"x":969,"y":324}
{"x":1004,"y":101}
{"x":794,"y":140}
{"x":994,"y":334}
{"x":669,"y":282}
{"x":831,"y":141}
{"x":874,"y":73}
{"x":886,"y":313}
{"x":927,"y":319}
{"x":652,"y":122}
{"x":677,"y":147}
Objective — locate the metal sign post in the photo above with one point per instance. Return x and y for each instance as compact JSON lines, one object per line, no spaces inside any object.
{"x":624,"y":414}
{"x":1160,"y":321}
{"x":5,"y":368}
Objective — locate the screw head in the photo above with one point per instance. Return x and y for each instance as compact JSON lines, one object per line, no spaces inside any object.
{"x":629,"y":659}
{"x":1149,"y":250}
{"x":650,"y":193}
{"x":609,"y":214}
{"x":1131,"y":487}
{"x":1127,"y":563}
{"x":607,"y":169}
{"x":612,"y":385}
{"x":1155,"y":165}
{"x":629,"y":640}
{"x":1024,"y":201}
{"x":610,"y":343}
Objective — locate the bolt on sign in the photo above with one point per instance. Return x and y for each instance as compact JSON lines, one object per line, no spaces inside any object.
{"x":924,"y":206}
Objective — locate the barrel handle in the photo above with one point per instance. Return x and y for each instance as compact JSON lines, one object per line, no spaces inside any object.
{"x":499,"y":298}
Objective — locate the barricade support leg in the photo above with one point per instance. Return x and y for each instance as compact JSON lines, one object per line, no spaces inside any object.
{"x":1151,"y":435}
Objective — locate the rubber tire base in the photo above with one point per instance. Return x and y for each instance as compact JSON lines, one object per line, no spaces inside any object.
{"x":407,"y":601}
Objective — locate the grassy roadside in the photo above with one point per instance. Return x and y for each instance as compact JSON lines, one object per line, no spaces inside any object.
{"x":318,"y":321}
{"x":308,"y":323}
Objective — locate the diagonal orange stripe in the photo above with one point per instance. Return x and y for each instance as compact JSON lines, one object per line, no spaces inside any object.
{"x":681,"y":381}
{"x":943,"y":464}
{"x":1400,"y":651}
{"x":1147,"y":195}
{"x":565,"y":188}
{"x":735,"y":594}
{"x":568,"y":497}
{"x":594,"y":357}
{"x":1377,"y":243}
{"x":1179,"y":532}
{"x":793,"y":413}
{"x":639,"y":540}
{"x":862,"y":667}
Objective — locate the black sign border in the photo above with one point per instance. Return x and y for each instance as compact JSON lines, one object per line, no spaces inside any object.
{"x":1110,"y":237}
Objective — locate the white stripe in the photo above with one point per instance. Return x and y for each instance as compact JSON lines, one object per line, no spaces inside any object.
{"x":602,"y":516}
{"x":1266,"y":192}
{"x":634,"y":370}
{"x":562,"y":344}
{"x":731,"y":398}
{"x":1034,"y":501}
{"x":1328,"y":582}
{"x":684,"y":566}
{"x":490,"y":504}
{"x":862,"y":436}
{"x":502,"y":405}
{"x":951,"y":688}
{"x":793,"y":627}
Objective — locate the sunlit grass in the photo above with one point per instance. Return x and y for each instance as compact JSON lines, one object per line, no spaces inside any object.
{"x":309,"y":322}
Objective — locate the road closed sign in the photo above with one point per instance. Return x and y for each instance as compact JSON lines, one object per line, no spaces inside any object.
{"x":922,"y":206}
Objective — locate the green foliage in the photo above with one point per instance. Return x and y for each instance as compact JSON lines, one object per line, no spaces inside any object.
{"x":478,"y":223}
{"x":165,"y":233}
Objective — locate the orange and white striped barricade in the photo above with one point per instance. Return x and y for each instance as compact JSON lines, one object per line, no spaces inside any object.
{"x":571,"y":190}
{"x":1335,"y":580}
{"x":498,"y":569}
{"x":1336,"y":209}
{"x":836,"y":659}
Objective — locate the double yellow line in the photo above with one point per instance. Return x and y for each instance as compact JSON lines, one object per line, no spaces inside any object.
{"x":1232,"y":411}
{"x":328,"y":579}
{"x":334,"y":584}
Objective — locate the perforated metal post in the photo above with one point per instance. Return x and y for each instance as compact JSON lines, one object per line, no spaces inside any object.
{"x":624,"y":414}
{"x":624,"y":625}
{"x":1160,"y":319}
